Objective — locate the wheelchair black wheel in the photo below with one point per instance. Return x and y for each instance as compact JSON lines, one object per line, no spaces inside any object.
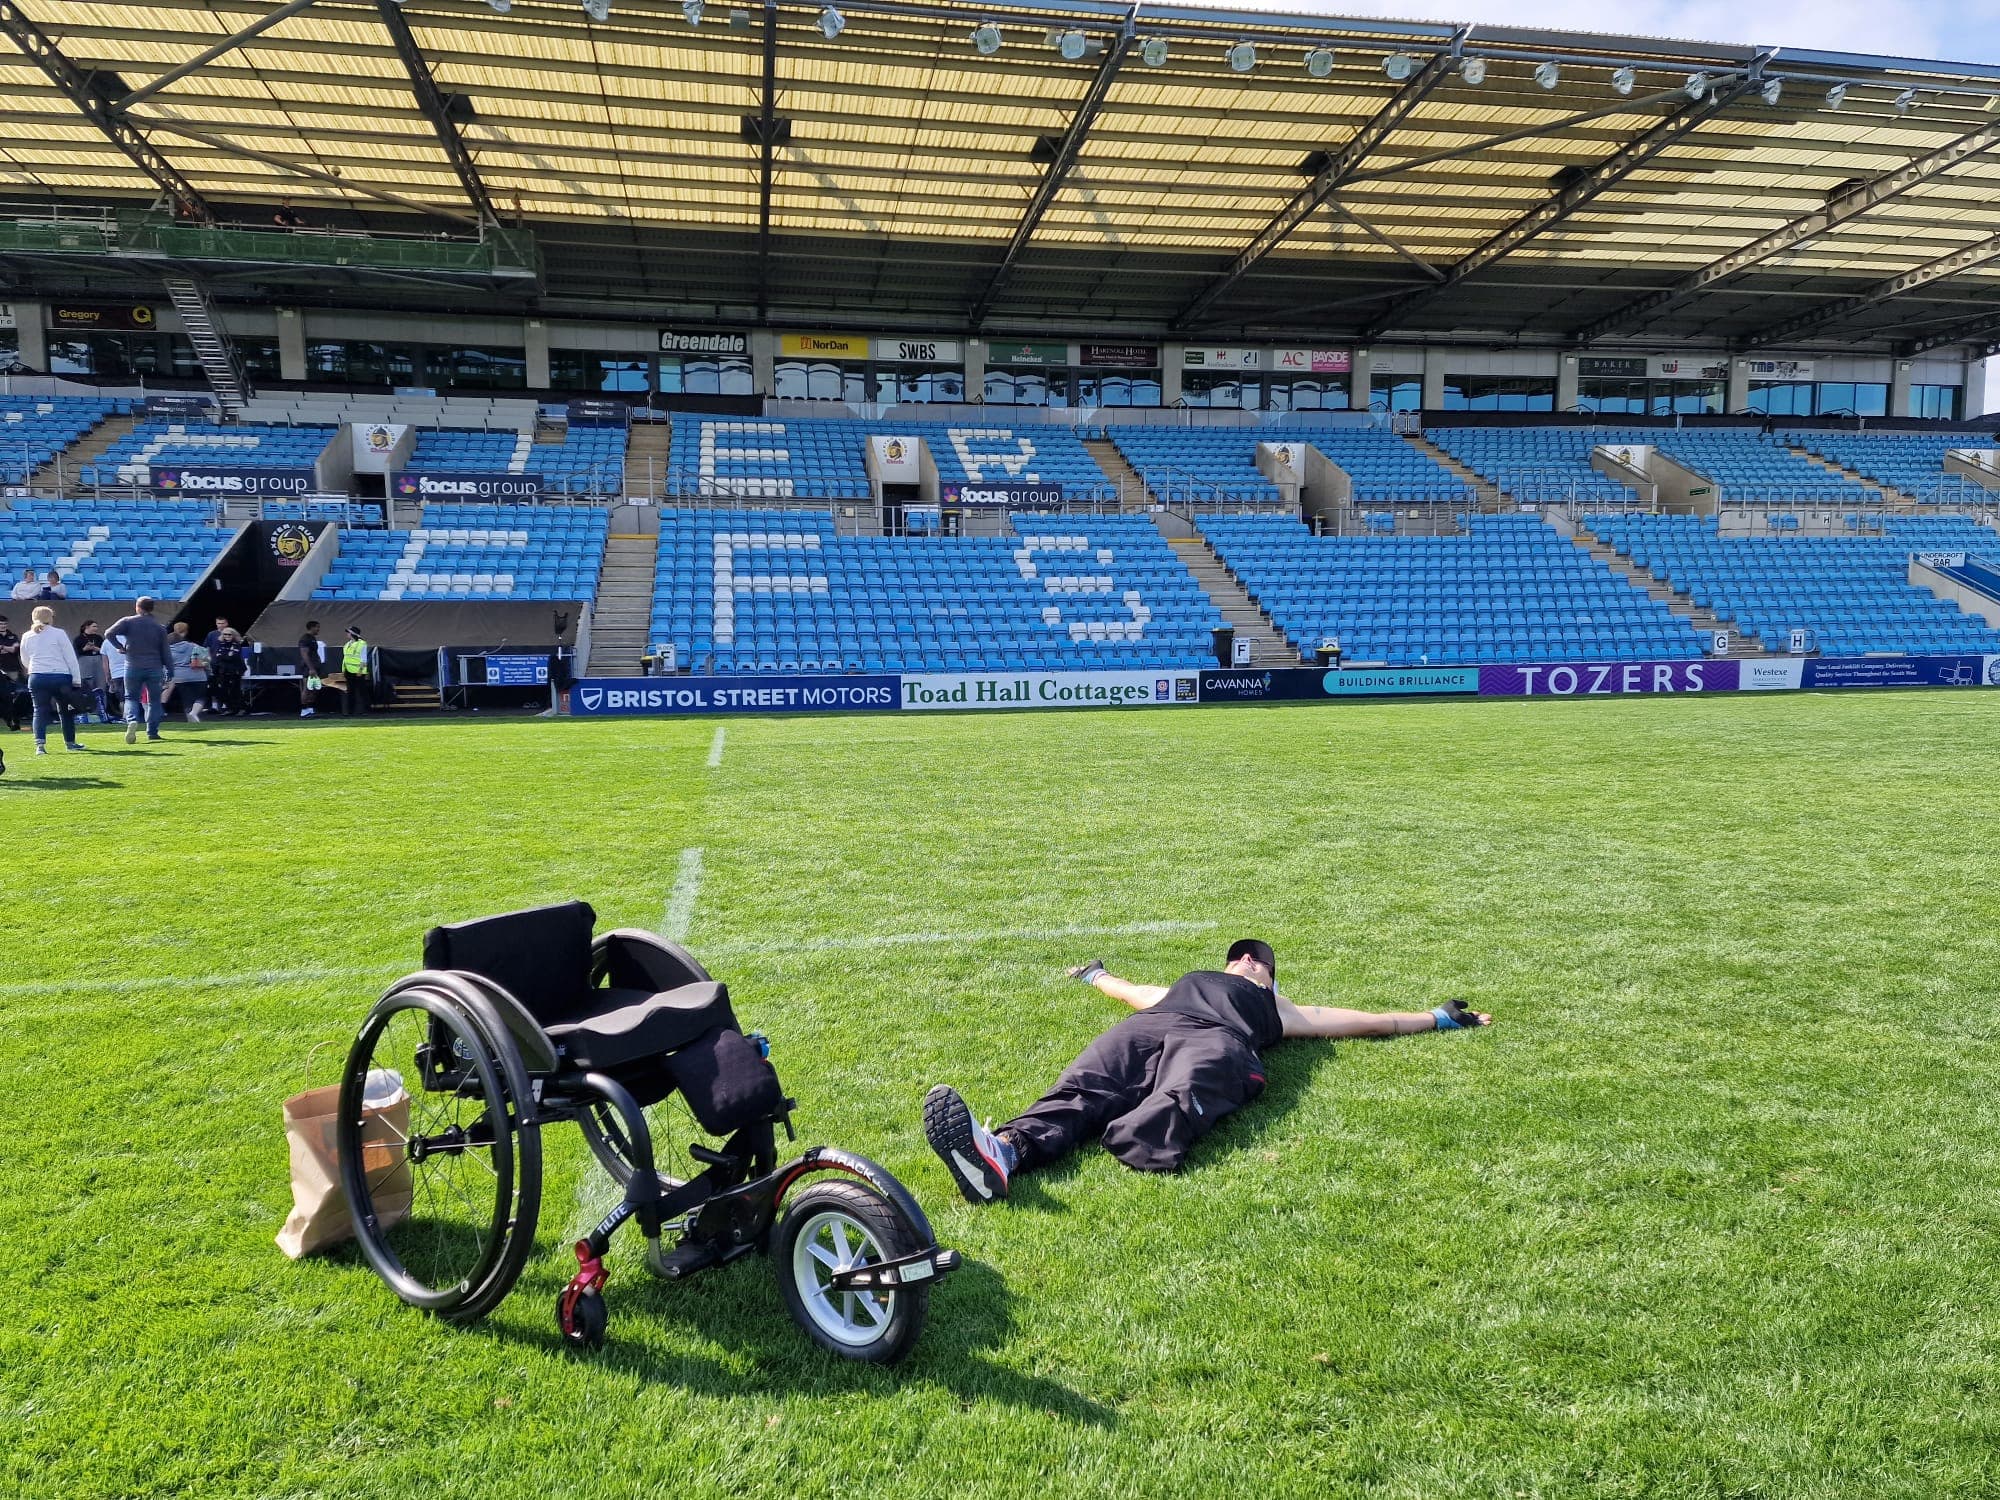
{"x":835,"y":1226}
{"x":670,"y":1123}
{"x":444,"y":1188}
{"x":585,"y":1327}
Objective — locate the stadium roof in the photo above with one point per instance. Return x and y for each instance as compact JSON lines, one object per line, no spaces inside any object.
{"x":748,"y":166}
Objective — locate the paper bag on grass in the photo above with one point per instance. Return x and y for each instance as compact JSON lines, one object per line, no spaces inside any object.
{"x":320,"y":1216}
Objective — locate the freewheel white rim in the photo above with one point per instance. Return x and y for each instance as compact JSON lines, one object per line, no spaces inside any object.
{"x":832,"y":1242}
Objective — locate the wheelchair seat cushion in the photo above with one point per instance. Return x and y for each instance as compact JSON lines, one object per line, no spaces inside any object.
{"x":628,"y":1026}
{"x":726,"y":1081}
{"x":541,"y":956}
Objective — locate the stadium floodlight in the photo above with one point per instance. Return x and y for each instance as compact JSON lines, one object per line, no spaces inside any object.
{"x":1624,"y":81}
{"x":1696,"y":87}
{"x":1399,"y":65}
{"x":986,"y":39}
{"x":1906,"y":101}
{"x":1071,"y":45}
{"x":1472,"y":70}
{"x":1548,"y":75}
{"x":691,"y":11}
{"x":1836,"y":96}
{"x":1242,"y":57}
{"x":1319,"y":62}
{"x":597,"y":10}
{"x":1153,"y":51}
{"x":1772,"y":91}
{"x":831,"y":23}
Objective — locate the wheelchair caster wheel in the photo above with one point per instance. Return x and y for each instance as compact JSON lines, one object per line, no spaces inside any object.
{"x":583,"y":1326}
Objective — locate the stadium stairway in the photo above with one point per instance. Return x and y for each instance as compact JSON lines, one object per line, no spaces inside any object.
{"x":1131,"y":488}
{"x":1491,"y":496}
{"x":624,"y":606}
{"x":1885,"y":493}
{"x":1268,"y":646}
{"x":63,"y":469}
{"x":1678,"y":604}
{"x":648,"y":445}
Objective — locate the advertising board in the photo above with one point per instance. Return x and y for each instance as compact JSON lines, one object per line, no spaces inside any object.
{"x":199,"y":480}
{"x":410,"y":485}
{"x":997,"y":496}
{"x":766,"y":692}
{"x":1050,"y":689}
{"x":1607,"y":679}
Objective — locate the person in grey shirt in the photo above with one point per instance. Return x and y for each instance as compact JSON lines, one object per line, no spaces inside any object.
{"x":148,"y":663}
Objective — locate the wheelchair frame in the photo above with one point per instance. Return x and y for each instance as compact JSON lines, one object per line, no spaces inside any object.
{"x":483,"y":1039}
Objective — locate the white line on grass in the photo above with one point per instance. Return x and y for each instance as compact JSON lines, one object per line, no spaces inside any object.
{"x":715,"y":749}
{"x":680,"y":905}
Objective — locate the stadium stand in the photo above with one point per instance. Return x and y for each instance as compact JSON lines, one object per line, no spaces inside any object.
{"x":1750,"y":468}
{"x":1385,"y":469}
{"x":1851,"y":591}
{"x":591,"y":460}
{"x":332,"y":408}
{"x":1510,"y":588}
{"x":1542,"y":465}
{"x":1196,"y":465}
{"x":468,"y":551}
{"x":110,"y":549}
{"x":34,"y":429}
{"x":1912,"y":462}
{"x":772,"y":590}
{"x":166,"y":445}
{"x":816,"y":458}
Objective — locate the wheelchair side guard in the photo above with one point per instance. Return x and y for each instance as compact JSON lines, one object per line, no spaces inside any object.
{"x":833,"y":1159}
{"x":502,"y":1015}
{"x":666,"y":963}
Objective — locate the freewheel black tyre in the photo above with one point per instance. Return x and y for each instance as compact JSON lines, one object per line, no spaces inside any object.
{"x":834,"y":1226}
{"x":444,"y":1189}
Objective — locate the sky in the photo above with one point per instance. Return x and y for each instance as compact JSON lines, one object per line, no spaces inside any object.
{"x":1967,"y":31}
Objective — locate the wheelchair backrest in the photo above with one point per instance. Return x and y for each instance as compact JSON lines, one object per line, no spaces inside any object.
{"x":541,"y":956}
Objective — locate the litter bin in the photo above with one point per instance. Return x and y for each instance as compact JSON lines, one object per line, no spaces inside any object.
{"x":1223,"y":637}
{"x":1327,"y":653}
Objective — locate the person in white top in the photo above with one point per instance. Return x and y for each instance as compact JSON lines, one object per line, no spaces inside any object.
{"x":29,"y":587}
{"x":52,"y":669}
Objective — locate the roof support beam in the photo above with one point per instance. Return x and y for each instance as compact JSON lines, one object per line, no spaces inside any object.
{"x":1895,"y":286}
{"x":1386,"y":242}
{"x":1985,"y":326}
{"x":1838,"y":211}
{"x":431,"y":101}
{"x":1343,"y":165}
{"x":767,"y":130}
{"x":1579,"y":190}
{"x":88,"y":95}
{"x":299,"y":168}
{"x":201,"y":60}
{"x":1061,"y":163}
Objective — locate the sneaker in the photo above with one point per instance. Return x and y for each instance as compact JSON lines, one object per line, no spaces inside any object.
{"x":74,"y":746}
{"x":980,"y":1162}
{"x":194,"y":713}
{"x":41,"y":749}
{"x":131,"y":731}
{"x":153,"y":739}
{"x":305,"y":713}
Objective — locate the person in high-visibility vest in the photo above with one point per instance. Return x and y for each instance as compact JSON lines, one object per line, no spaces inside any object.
{"x":354,"y":666}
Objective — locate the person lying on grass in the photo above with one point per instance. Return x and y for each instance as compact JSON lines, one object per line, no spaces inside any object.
{"x":1157,"y":1082}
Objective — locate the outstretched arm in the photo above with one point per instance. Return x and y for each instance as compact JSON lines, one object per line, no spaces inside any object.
{"x":1101,"y":979}
{"x":1331,"y":1021}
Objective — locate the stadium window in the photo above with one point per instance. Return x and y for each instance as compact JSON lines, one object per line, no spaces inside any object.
{"x":1871,"y":399}
{"x":10,"y":346}
{"x":1688,"y":398}
{"x":1781,"y":398}
{"x":260,"y":358}
{"x":1835,"y":396}
{"x":1029,"y":387}
{"x":479,"y":369}
{"x":820,"y":380}
{"x":71,"y":357}
{"x":1395,"y":393}
{"x":1098,"y":387}
{"x":692,"y":375}
{"x":1323,"y":393}
{"x":1936,"y":401}
{"x":918,"y":383}
{"x":1499,"y":393}
{"x":1215,"y":388}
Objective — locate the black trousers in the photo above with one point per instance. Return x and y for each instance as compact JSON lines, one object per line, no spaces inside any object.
{"x":1149,"y":1088}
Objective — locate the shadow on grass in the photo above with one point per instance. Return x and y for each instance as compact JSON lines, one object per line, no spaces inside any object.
{"x":11,"y":783}
{"x":738,"y":1307}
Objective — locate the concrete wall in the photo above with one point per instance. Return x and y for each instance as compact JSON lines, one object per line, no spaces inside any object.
{"x":1980,"y":465}
{"x":1964,"y":595}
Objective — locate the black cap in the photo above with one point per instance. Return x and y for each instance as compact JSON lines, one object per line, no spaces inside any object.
{"x":1258,"y":949}
{"x":354,"y":630}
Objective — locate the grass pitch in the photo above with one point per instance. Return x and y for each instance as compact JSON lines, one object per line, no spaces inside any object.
{"x":1710,"y":1212}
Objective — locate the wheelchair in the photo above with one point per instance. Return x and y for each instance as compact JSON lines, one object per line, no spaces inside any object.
{"x":521,"y":1021}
